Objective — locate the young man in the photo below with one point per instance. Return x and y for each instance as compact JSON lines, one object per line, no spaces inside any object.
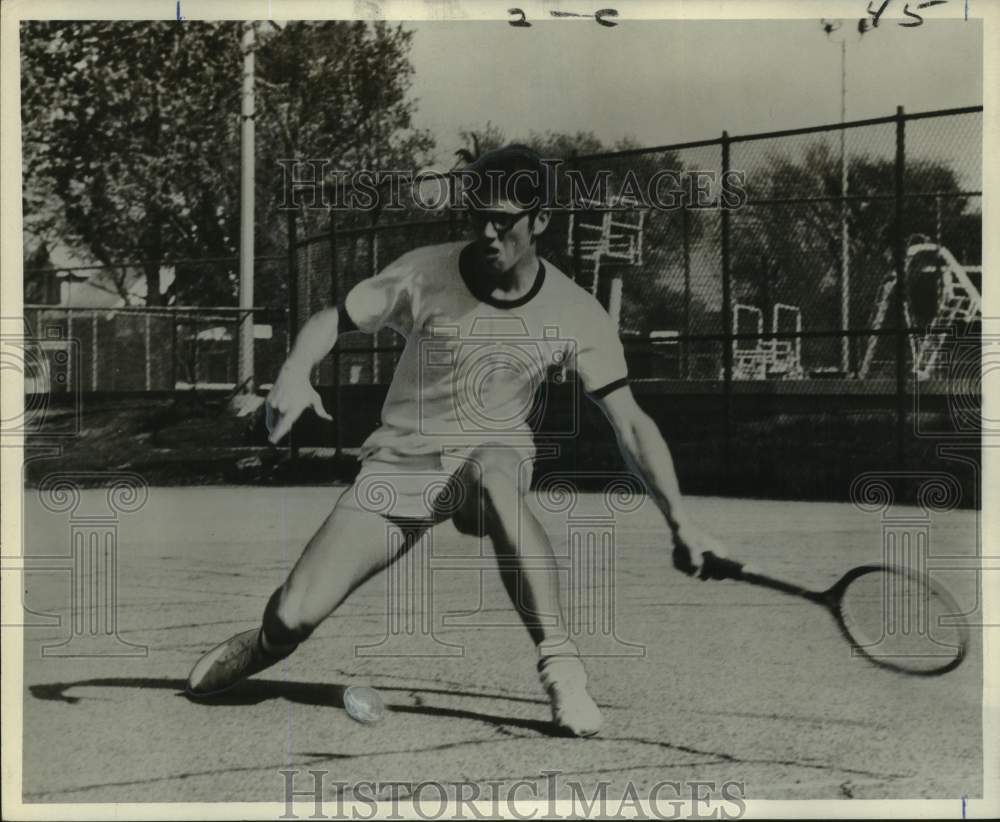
{"x":483,"y":323}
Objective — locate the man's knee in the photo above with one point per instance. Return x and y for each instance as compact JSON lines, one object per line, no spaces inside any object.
{"x":496,"y":468}
{"x":490,"y":488}
{"x":284,"y":621}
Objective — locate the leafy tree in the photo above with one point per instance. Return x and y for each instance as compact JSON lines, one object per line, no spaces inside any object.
{"x":125,"y":129}
{"x":131,"y":136}
{"x":347,"y":104}
{"x":791,"y":252}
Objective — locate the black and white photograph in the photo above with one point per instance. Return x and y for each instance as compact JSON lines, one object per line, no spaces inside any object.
{"x":460,"y":410}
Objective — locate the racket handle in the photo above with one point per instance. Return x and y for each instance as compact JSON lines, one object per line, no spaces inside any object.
{"x":716,"y":567}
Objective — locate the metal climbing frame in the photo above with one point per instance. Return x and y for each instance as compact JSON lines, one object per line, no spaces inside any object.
{"x":761,"y":358}
{"x":958,"y":300}
{"x":608,"y":232}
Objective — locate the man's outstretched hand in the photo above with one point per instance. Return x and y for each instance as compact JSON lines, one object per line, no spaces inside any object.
{"x":690,"y":544}
{"x":291,"y":395}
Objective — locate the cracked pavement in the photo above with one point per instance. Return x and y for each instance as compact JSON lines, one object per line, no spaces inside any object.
{"x":734,"y":683}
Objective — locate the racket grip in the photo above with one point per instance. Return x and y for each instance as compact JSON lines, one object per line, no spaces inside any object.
{"x":716,"y":567}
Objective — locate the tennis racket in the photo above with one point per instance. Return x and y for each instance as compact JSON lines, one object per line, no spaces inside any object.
{"x":894,"y":617}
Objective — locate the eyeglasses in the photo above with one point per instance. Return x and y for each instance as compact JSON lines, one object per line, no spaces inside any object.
{"x":502,"y":221}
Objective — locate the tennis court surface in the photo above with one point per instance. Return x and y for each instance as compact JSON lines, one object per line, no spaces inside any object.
{"x":713,"y":680}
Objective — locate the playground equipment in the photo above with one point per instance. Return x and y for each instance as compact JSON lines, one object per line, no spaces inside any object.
{"x":606,"y":233}
{"x":761,"y":358}
{"x":957,"y":300}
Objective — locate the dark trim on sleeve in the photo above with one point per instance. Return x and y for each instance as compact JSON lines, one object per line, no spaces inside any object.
{"x":607,"y":389}
{"x":344,"y":321}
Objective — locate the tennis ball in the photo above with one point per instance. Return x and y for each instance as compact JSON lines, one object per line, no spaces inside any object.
{"x":364,"y":704}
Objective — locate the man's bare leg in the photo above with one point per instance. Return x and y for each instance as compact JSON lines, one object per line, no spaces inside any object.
{"x":495,"y":506}
{"x":351,"y":545}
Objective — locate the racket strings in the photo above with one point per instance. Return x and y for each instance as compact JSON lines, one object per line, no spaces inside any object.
{"x":901,"y":620}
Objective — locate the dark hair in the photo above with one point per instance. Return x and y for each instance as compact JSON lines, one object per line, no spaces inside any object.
{"x":514,"y":172}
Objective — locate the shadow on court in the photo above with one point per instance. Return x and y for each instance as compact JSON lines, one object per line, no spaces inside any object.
{"x":315,"y":694}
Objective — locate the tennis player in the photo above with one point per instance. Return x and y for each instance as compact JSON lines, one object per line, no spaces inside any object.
{"x":484,"y":322}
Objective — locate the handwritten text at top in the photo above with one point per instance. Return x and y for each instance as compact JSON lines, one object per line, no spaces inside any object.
{"x":521,"y":19}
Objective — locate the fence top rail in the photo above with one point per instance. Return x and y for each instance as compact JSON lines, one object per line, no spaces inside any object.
{"x":764,"y":135}
{"x":141,"y":263}
{"x":369,"y":229}
{"x":837,"y":198}
{"x":194,"y":310}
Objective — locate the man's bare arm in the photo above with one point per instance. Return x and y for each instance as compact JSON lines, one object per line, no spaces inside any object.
{"x":292,"y":392}
{"x":316,"y":339}
{"x":647,"y":454}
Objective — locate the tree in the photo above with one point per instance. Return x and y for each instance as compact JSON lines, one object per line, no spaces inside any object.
{"x":336,"y":92}
{"x":138,"y":159}
{"x":128,"y":155}
{"x":791,"y":252}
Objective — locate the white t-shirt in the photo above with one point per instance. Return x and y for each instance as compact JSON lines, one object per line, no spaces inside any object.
{"x":471,"y":365}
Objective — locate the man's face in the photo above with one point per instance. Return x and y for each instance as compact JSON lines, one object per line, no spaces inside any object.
{"x":504,"y":234}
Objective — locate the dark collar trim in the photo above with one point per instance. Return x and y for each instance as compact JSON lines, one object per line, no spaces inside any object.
{"x":467,"y":268}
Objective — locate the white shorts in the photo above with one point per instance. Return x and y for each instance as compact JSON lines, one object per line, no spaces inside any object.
{"x":409,"y":485}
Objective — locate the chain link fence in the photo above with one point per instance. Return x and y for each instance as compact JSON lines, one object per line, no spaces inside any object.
{"x":799,"y":291}
{"x":93,"y":332}
{"x":812,"y":310}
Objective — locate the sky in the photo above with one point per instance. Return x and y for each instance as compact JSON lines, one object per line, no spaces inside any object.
{"x":664,"y":82}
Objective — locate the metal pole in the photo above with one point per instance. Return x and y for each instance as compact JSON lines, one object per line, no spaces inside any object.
{"x":373,"y":260}
{"x":194,"y":357}
{"x":899,"y":263}
{"x":727,"y":323}
{"x":147,"y":353}
{"x":93,"y":351}
{"x":245,"y":345}
{"x":334,"y":300}
{"x":574,"y":225}
{"x":293,"y":279}
{"x":845,"y":253}
{"x":615,"y":302}
{"x":685,"y":355}
{"x":69,"y":348}
{"x":173,"y":352}
{"x":292,"y":319}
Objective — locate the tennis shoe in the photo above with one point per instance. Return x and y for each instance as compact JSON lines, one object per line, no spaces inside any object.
{"x":573,"y":709}
{"x":229,"y":664}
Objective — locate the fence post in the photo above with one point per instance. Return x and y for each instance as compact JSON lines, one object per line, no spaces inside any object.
{"x":574,"y":223}
{"x":334,"y":299}
{"x":727,"y":324}
{"x":686,"y":240}
{"x":69,"y":343}
{"x":899,"y":263}
{"x":292,"y":317}
{"x":194,"y":356}
{"x":147,"y":351}
{"x":373,"y":266}
{"x":94,"y":353}
{"x":173,"y":351}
